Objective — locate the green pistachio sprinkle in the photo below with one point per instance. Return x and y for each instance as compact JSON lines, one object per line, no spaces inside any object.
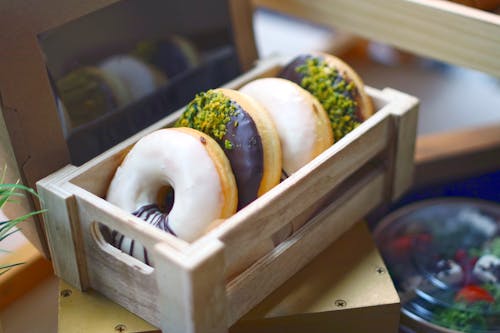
{"x":228,"y":145}
{"x":209,"y":112}
{"x":333,"y":92}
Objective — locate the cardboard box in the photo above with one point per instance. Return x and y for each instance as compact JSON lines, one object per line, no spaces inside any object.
{"x":33,"y":141}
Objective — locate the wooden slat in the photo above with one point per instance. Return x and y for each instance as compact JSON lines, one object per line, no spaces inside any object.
{"x":26,"y":96}
{"x":192,"y":291}
{"x":68,"y":256}
{"x":288,"y":200}
{"x":267,"y":274}
{"x":346,"y":270}
{"x":440,"y":29}
{"x":445,"y":157}
{"x":94,"y":209}
{"x":32,"y":228}
{"x":242,"y":24}
{"x":139,"y":288}
{"x":405,"y":111}
{"x":115,"y":274}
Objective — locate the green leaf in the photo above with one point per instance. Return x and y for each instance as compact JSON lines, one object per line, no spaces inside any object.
{"x":5,"y":268}
{"x":8,"y":234}
{"x":12,"y":223}
{"x":11,"y":193}
{"x":5,"y":194}
{"x":11,"y":265}
{"x":17,"y":186}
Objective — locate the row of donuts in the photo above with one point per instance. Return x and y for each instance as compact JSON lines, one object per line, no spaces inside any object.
{"x":90,"y":91}
{"x":230,"y":147}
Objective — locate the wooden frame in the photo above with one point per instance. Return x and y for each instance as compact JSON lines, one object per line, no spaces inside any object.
{"x":207,"y":285}
{"x":475,"y":150}
{"x":348,"y":270}
{"x":26,"y":98}
{"x":439,"y":29}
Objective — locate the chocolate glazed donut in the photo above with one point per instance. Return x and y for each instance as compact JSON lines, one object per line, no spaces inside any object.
{"x":337,"y":87}
{"x":245,"y":153}
{"x":246,"y":134}
{"x":152,"y":214}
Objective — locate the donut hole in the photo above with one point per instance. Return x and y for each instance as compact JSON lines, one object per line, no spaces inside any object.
{"x":121,"y":246}
{"x":103,"y":236}
{"x":165,"y":198}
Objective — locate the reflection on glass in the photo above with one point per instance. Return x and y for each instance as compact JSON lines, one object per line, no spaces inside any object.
{"x":119,"y":69}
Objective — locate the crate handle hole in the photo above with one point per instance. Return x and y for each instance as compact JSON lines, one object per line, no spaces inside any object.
{"x":121,"y":247}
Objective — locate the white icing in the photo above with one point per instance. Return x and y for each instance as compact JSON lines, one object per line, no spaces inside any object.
{"x":486,"y":267}
{"x":293,"y":115}
{"x":171,"y":157}
{"x":450,"y":272}
{"x":133,"y":73}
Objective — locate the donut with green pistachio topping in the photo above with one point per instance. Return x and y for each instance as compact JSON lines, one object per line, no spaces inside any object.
{"x":211,"y":113}
{"x":337,"y":87}
{"x":246,"y":134}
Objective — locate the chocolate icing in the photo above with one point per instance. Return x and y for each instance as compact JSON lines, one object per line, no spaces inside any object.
{"x":86,"y":95}
{"x":290,"y":72}
{"x":236,"y":133}
{"x":153,"y":215}
{"x":246,"y":155}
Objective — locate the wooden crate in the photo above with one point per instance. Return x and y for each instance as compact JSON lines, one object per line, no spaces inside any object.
{"x":207,"y":285}
{"x":439,"y":29}
{"x":328,"y":295}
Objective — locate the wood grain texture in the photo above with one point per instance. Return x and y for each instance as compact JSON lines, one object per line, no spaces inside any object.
{"x":476,"y":151}
{"x":404,"y":141}
{"x":192,"y":289}
{"x":286,"y":259}
{"x":346,"y":270}
{"x":284,"y":203}
{"x":297,"y":198}
{"x":112,"y":272}
{"x":242,"y":23}
{"x":347,"y":181}
{"x":68,"y":255}
{"x":26,"y":98}
{"x":32,"y":228}
{"x":439,"y":29}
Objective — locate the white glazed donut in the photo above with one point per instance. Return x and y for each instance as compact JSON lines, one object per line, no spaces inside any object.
{"x":139,"y":78}
{"x":191,"y":163}
{"x":302,"y":123}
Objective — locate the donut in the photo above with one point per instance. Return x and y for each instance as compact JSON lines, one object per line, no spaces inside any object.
{"x":196,"y":168}
{"x":88,"y":93}
{"x":337,"y":87}
{"x":302,"y":124}
{"x":172,"y":55}
{"x":139,"y":78}
{"x":246,"y":133}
